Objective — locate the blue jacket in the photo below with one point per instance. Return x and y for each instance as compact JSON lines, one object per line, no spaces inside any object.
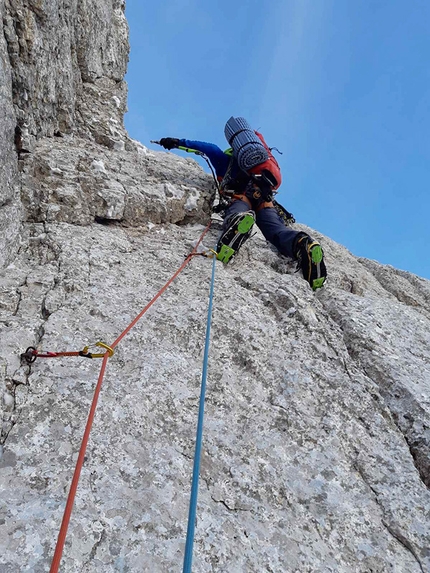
{"x":237,"y":180}
{"x":216,"y":155}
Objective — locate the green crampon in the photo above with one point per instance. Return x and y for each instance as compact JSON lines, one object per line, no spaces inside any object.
{"x":235,"y":237}
{"x":225,"y":253}
{"x":318,"y":283}
{"x":246,"y":224}
{"x":316,"y":254}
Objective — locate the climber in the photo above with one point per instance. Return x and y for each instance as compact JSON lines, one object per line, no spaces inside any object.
{"x":251,"y":199}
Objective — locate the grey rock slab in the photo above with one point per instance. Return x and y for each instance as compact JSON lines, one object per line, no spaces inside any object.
{"x":60,"y":56}
{"x":406,"y":287}
{"x":304,"y":468}
{"x":76,"y":181}
{"x":10,"y":209}
{"x":316,"y":446}
{"x":396,"y":355}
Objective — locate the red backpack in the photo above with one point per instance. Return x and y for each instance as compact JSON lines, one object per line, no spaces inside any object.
{"x":269,"y":168}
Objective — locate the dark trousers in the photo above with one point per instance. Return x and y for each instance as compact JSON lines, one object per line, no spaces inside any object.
{"x":269,"y":222}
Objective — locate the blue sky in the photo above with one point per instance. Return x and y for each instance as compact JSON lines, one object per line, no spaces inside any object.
{"x":341,"y":87}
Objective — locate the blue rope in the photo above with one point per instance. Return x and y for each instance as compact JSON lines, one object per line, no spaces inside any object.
{"x":199,"y":435}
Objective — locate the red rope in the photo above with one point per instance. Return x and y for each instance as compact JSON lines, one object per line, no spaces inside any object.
{"x":80,"y":462}
{"x":161,"y":291}
{"x":56,"y":354}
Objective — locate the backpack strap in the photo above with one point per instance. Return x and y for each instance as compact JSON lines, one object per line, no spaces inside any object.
{"x":227,"y":177}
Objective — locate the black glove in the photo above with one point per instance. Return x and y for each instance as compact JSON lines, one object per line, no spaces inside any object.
{"x":169,"y":142}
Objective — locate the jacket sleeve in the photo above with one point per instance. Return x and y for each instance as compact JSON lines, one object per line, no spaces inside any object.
{"x":216,"y":156}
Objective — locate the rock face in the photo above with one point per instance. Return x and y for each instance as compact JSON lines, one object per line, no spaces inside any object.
{"x":80,"y":182}
{"x":64,"y":74}
{"x":316,"y":442}
{"x":10,"y":207}
{"x":67,"y":62}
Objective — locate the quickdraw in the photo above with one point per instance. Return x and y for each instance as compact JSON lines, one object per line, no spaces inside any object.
{"x":209,"y":254}
{"x":32,"y":353}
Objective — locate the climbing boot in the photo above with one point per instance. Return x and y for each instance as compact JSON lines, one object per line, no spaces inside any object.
{"x":237,"y":232}
{"x":310,"y":259}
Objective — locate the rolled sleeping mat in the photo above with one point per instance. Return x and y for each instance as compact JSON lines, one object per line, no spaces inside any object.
{"x":234,"y":126}
{"x":247,"y":147}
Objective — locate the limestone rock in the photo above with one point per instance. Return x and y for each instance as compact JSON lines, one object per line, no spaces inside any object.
{"x":61,"y":72}
{"x":10,"y":207}
{"x":76,"y":181}
{"x":62,"y":58}
{"x":316,"y":444}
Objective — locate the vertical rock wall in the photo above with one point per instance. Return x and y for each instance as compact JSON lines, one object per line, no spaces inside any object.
{"x":62,"y":64}
{"x":316,"y":447}
{"x":66,"y":154}
{"x":10,"y":211}
{"x":63,"y":53}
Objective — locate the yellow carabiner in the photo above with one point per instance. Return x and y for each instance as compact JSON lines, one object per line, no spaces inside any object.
{"x":97,"y":355}
{"x":108,"y":348}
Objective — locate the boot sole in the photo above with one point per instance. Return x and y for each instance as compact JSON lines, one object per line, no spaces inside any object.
{"x":226,"y":252}
{"x":316,"y":253}
{"x":318,"y":283}
{"x":246,"y":224}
